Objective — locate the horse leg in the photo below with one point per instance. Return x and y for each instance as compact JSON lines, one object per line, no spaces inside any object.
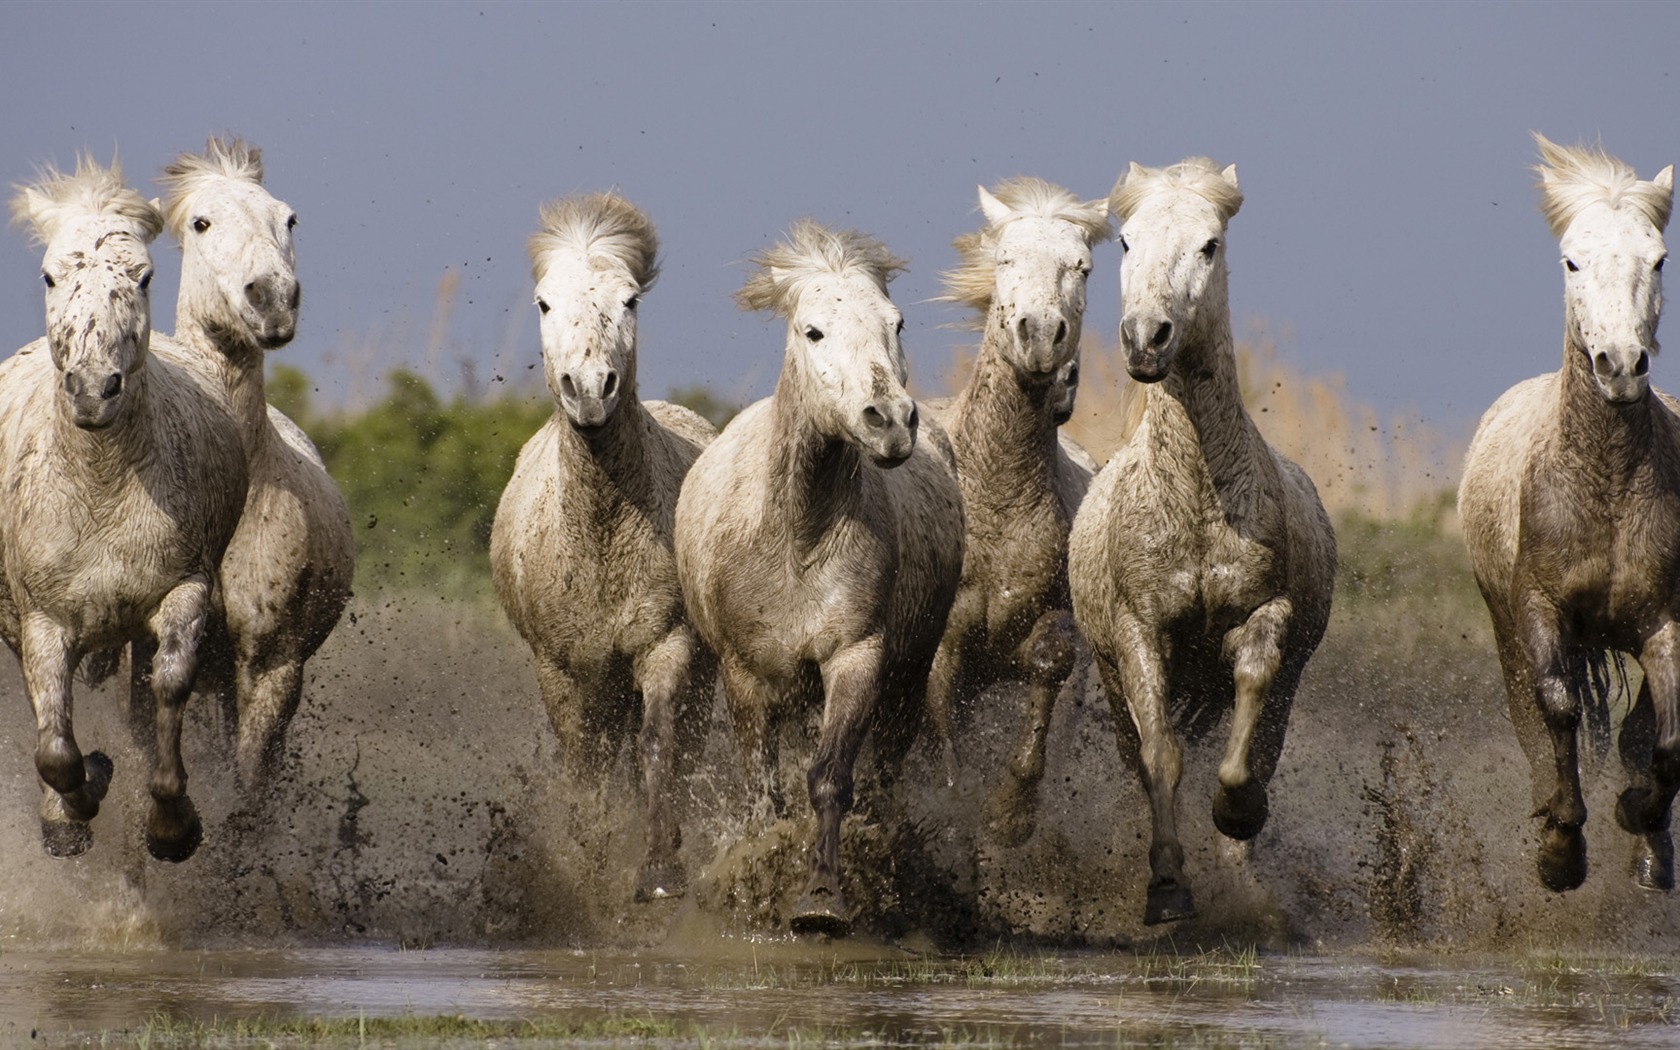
{"x":268,"y":689}
{"x":565,"y":696}
{"x":941,"y":697}
{"x":750,"y":701}
{"x":851,"y":687}
{"x":1137,"y":691}
{"x":142,"y":713}
{"x":173,"y":830}
{"x":73,"y":785}
{"x":1254,"y":650}
{"x":662,"y":674}
{"x":1562,"y":859}
{"x":1049,"y":654}
{"x":1645,"y":806}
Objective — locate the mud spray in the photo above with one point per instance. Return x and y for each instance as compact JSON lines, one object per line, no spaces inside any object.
{"x":422,"y":805}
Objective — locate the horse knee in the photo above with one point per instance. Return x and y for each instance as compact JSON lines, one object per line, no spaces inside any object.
{"x":1559,"y":707}
{"x":1665,"y":759}
{"x":829,"y":787}
{"x":59,"y":762}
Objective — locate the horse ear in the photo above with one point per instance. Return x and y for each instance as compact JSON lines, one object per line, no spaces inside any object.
{"x":32,"y":209}
{"x":1665,"y":179}
{"x":1230,"y":175}
{"x":995,"y":211}
{"x":1133,"y":171}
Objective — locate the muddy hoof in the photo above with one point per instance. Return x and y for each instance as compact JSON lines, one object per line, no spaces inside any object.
{"x":1653,"y":863}
{"x":659,"y":882}
{"x":66,"y":838}
{"x":173,"y":831}
{"x":1168,"y":902}
{"x":1240,"y":813}
{"x":821,"y":912}
{"x":1629,"y":807}
{"x":1563,"y":857}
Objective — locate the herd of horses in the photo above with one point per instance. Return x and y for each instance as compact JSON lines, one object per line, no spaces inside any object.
{"x":837,"y":546}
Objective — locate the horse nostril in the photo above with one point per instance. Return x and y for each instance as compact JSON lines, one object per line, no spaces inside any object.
{"x":915,"y":416}
{"x":297,"y":295}
{"x":254,"y":295}
{"x":72,"y":385}
{"x":1061,"y":332}
{"x":1643,"y":365}
{"x":113,"y":386}
{"x":1163,"y":332}
{"x":610,"y":387}
{"x":1601,"y":363}
{"x":873,"y":417}
{"x":568,"y":389}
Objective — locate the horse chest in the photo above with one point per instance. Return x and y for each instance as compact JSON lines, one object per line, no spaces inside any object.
{"x":1610,"y":565}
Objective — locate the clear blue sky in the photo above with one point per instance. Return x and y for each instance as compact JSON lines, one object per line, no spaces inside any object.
{"x":1384,"y":149}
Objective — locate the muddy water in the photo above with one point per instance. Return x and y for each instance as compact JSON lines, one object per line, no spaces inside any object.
{"x":422,"y":808}
{"x":787,"y":994}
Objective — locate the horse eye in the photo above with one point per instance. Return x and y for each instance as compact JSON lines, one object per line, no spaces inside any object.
{"x":146,"y":280}
{"x":1209,"y":248}
{"x":1085,"y":270}
{"x":1569,"y":264}
{"x":200,"y":225}
{"x":542,"y":304}
{"x":1660,"y":263}
{"x":291,"y":222}
{"x":813,"y":333}
{"x":1124,"y":246}
{"x":47,"y":277}
{"x":632,"y":302}
{"x":900,"y":328}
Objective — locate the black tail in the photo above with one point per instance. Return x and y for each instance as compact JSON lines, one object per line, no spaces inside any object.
{"x":1600,"y":677}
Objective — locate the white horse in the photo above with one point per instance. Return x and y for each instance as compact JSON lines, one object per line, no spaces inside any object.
{"x":1571,"y":510}
{"x":124,"y":480}
{"x":1202,"y":561}
{"x":1025,"y":275}
{"x":286,"y":577}
{"x":581,"y":546}
{"x":820,"y":540}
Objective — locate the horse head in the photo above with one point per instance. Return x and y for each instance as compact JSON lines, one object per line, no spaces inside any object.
{"x":843,"y":353}
{"x":1172,"y":274}
{"x":1036,"y":250}
{"x":592,"y":259}
{"x":1609,"y":225}
{"x":238,"y":265}
{"x":98,"y":273}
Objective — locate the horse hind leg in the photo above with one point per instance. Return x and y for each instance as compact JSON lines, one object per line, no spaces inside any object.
{"x":1051,"y":650}
{"x":173,"y":828}
{"x":1650,"y":751}
{"x":268,"y":695}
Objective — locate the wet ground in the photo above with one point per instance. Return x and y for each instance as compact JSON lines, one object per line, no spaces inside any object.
{"x":424,"y":855}
{"x":785,"y":994}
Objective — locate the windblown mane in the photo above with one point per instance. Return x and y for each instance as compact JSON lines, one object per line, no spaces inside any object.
{"x":812,"y":249}
{"x":597,"y":224}
{"x":189,"y":172}
{"x":975,"y":276}
{"x":94,"y":190}
{"x":1573,"y":177}
{"x":1196,"y":174}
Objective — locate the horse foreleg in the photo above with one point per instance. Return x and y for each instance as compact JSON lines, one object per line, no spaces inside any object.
{"x":142,"y":709}
{"x":1255,"y":653}
{"x":750,"y":701}
{"x":1654,"y":725}
{"x":1049,"y":654}
{"x":1563,"y":848}
{"x":583,"y":754}
{"x":851,"y":689}
{"x":173,"y":830}
{"x":662,"y":674}
{"x":1137,"y":685}
{"x":72,"y":785}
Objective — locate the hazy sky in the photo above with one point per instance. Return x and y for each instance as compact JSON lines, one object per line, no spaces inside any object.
{"x":1384,"y":151}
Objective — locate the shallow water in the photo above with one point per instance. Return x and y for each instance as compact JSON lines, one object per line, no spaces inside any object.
{"x":790,"y":992}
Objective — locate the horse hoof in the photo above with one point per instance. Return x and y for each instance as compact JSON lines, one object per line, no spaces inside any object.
{"x":821,"y":912}
{"x":1653,"y":863}
{"x":1563,"y":857}
{"x":1240,"y":813}
{"x":174,"y":832}
{"x":66,"y":838}
{"x":1168,"y":902}
{"x":1629,"y":805}
{"x":659,"y":882}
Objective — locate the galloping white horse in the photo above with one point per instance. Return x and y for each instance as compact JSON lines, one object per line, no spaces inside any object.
{"x":286,"y":578}
{"x":1571,"y":510}
{"x":581,"y":547}
{"x":820,"y":538}
{"x":123,"y":481}
{"x":1025,"y":275}
{"x":1202,"y":562}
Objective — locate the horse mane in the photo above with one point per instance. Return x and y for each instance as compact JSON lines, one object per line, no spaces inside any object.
{"x":975,"y":275}
{"x":811,"y":250}
{"x":1199,"y":175}
{"x":597,"y":224}
{"x":1573,"y":177}
{"x":223,"y":158}
{"x":54,"y":198}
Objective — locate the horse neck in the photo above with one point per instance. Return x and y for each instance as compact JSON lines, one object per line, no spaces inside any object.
{"x":813,"y":477}
{"x":1200,"y":402}
{"x":1596,"y":439}
{"x":614,"y":462}
{"x":239,"y":364}
{"x":1002,"y":428}
{"x":107,"y":457}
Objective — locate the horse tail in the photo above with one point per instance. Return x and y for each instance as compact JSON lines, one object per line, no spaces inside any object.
{"x":1601,"y":676}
